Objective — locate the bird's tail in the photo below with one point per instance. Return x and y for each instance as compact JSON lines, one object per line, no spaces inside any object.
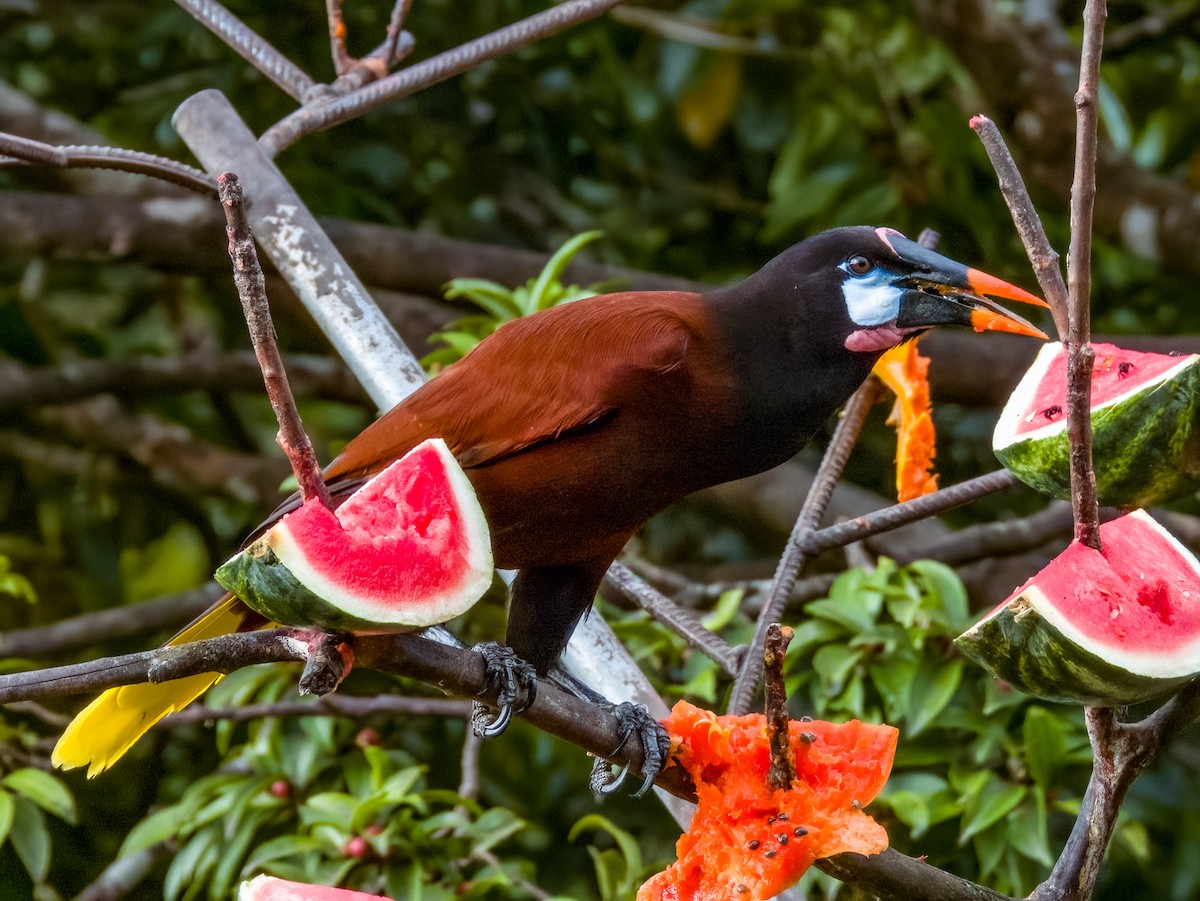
{"x":108,"y":727}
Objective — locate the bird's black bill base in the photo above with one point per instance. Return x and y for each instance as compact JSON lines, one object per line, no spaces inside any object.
{"x":926,"y":307}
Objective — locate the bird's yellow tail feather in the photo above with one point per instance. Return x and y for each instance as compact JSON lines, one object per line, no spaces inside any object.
{"x":108,"y":727}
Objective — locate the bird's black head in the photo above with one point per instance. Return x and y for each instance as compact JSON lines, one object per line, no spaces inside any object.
{"x":875,"y":288}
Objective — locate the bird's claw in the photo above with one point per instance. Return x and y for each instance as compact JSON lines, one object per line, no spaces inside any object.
{"x":515,"y":684}
{"x":656,"y":744}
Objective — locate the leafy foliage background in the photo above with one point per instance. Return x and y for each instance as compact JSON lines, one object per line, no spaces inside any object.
{"x":693,"y":161}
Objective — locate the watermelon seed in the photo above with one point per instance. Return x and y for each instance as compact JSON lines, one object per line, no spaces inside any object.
{"x":808,"y":737}
{"x":806,"y":719}
{"x":857,"y":805}
{"x":754,"y":843}
{"x":799,"y":832}
{"x":1123,"y":370}
{"x":1052,"y":412}
{"x":783,"y":839}
{"x":741,"y":889}
{"x":770,"y":853}
{"x":784,"y":816}
{"x":771,"y":819}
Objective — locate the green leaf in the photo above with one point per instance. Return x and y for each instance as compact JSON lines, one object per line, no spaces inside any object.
{"x":992,"y":804}
{"x":233,"y":853}
{"x":725,"y":609}
{"x":7,"y":812}
{"x":44,"y":790}
{"x":554,"y":269}
{"x":627,"y":844}
{"x":188,"y":872}
{"x":947,"y":590}
{"x":932,"y":690}
{"x":31,"y":838}
{"x":1027,"y":828}
{"x":1045,"y":746}
{"x":893,"y":680}
{"x":833,"y":665}
{"x":157,"y":827}
{"x":280,"y":847}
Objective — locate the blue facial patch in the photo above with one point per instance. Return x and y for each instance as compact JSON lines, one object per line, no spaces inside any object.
{"x":871,"y":299}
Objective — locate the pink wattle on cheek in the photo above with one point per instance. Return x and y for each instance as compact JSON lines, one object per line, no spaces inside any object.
{"x":869,"y":339}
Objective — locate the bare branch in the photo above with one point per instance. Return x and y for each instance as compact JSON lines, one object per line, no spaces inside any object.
{"x":680,"y":621}
{"x":439,"y":68}
{"x":782,"y":772}
{"x":248,"y":276}
{"x":104,"y":625}
{"x":1079,"y":279}
{"x":1042,"y":256}
{"x":342,"y":60}
{"x":346,"y":706}
{"x":26,"y":151}
{"x":27,"y":387}
{"x":250,"y":46}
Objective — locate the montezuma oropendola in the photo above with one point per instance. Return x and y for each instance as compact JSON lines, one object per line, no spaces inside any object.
{"x":579,"y":423}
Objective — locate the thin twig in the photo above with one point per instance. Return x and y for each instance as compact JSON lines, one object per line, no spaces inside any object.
{"x":342,"y":60}
{"x":25,"y":387}
{"x":248,"y":276}
{"x":1079,"y":280}
{"x":1042,"y":256}
{"x":446,"y":65}
{"x":679,"y":620}
{"x":907,"y":512}
{"x":26,"y":151}
{"x":794,"y":554}
{"x":250,"y":46}
{"x":782,"y":772}
{"x":104,"y":625}
{"x":340,"y":705}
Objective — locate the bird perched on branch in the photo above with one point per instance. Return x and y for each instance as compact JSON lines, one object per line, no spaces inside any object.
{"x":577,"y":424}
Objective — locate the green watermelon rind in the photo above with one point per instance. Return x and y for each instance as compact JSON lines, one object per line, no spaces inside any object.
{"x":1021,"y":646}
{"x":1031,"y":644}
{"x":1145,"y":446}
{"x":272,"y":576}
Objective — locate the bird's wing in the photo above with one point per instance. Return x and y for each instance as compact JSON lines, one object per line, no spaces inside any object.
{"x":534,"y":380}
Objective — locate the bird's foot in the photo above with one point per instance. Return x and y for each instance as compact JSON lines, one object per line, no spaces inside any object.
{"x":656,"y":744}
{"x":515,"y":684}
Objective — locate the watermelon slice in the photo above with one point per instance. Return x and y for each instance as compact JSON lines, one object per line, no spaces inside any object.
{"x":749,"y":843}
{"x":268,"y":888}
{"x":1146,"y":445}
{"x":409,"y":549}
{"x":1104,"y":628}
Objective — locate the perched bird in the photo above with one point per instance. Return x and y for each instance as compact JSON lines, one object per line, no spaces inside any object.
{"x":579,"y":423}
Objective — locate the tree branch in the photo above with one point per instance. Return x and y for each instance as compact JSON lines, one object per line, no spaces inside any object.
{"x":248,"y":277}
{"x":318,"y":117}
{"x":250,"y":46}
{"x":1079,"y":280}
{"x":25,"y":151}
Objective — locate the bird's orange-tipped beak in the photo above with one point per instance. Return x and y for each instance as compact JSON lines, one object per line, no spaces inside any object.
{"x":999,"y":320}
{"x":982,"y":283}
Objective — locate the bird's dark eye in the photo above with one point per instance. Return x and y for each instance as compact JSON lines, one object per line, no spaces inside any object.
{"x":859,"y":265}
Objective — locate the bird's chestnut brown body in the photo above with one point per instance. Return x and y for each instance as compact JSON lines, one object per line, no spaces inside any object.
{"x":579,"y":423}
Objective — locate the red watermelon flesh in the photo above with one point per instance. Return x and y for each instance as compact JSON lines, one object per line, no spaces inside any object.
{"x":1139,"y":596}
{"x":268,"y":888}
{"x":1116,"y":373}
{"x":409,"y":549}
{"x":747,"y":842}
{"x":1106,"y":628}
